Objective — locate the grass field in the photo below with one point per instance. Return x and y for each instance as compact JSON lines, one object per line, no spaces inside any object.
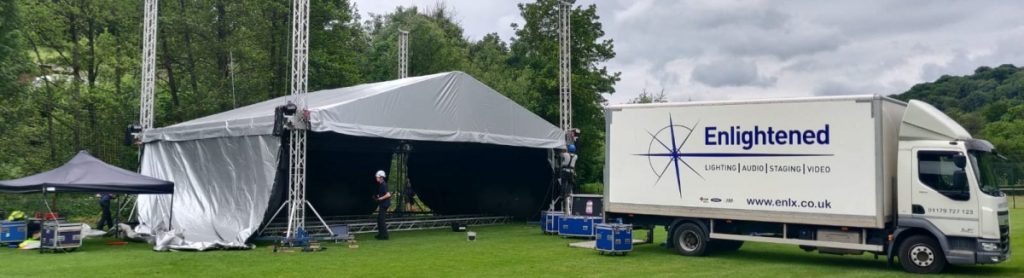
{"x":508,"y":250}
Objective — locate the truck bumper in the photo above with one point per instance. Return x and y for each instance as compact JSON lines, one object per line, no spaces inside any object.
{"x":985,"y":253}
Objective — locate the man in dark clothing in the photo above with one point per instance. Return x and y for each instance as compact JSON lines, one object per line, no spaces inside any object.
{"x":105,"y":220}
{"x":383,"y":198}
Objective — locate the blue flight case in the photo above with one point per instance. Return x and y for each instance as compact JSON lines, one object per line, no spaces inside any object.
{"x":614,"y":238}
{"x":578,"y":226}
{"x":60,"y":236}
{"x":13,"y":231}
{"x":549,"y":221}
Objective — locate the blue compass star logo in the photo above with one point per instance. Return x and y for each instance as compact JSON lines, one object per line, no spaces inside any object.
{"x":671,"y":151}
{"x":672,"y":155}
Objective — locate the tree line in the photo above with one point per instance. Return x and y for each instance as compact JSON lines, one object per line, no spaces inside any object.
{"x":988,"y":103}
{"x":69,"y":69}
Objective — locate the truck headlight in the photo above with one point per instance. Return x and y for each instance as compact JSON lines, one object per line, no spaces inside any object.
{"x":989,"y":246}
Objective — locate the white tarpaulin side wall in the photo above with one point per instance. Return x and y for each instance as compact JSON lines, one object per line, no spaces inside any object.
{"x":222,"y":189}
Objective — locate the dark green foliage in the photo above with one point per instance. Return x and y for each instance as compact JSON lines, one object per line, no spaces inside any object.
{"x":436,"y":43}
{"x":15,"y":77}
{"x":989,"y":104}
{"x":337,"y":44}
{"x":648,"y":97}
{"x":535,"y":49}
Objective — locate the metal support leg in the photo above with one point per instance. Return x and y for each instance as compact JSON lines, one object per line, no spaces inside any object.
{"x":320,"y":218}
{"x":650,"y":235}
{"x":271,"y":220}
{"x":170,"y":222}
{"x":135,"y":206}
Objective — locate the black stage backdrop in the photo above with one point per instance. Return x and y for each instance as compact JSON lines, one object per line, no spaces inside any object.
{"x":450,"y":178}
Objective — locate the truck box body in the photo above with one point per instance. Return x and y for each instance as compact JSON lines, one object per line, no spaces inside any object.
{"x":823,"y":161}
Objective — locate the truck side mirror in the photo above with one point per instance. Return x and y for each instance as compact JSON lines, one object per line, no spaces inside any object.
{"x":960,"y":161}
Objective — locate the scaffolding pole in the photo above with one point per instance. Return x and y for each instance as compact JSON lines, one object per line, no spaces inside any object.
{"x":148,"y":65}
{"x":403,"y":54}
{"x":297,"y":143}
{"x":564,"y":66}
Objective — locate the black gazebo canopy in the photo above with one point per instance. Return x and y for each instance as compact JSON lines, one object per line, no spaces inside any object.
{"x":87,"y":174}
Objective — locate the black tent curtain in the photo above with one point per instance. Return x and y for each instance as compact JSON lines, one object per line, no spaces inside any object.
{"x":450,"y":178}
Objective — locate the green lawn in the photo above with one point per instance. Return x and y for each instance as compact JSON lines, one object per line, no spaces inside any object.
{"x":509,"y":250}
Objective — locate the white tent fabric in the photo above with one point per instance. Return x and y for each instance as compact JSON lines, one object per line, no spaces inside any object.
{"x":449,"y":107}
{"x":224,"y":165}
{"x":222,"y":189}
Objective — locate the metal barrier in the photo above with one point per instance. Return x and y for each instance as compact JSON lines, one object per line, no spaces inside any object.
{"x":1013,"y":194}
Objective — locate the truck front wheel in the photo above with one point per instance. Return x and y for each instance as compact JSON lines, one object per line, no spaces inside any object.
{"x":690,"y":240}
{"x":921,"y":254}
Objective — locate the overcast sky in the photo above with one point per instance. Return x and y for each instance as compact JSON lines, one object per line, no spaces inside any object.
{"x":711,"y":50}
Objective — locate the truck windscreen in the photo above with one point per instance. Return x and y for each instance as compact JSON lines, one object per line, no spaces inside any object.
{"x":983,"y":162}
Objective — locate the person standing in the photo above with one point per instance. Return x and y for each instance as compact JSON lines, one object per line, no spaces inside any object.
{"x":383,"y":198}
{"x":105,"y":220}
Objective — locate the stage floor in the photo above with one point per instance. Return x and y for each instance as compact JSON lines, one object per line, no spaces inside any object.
{"x":358,"y":224}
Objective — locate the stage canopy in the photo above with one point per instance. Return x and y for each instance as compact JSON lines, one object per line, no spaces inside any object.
{"x":85,"y":173}
{"x":446,"y":107}
{"x":474,"y":152}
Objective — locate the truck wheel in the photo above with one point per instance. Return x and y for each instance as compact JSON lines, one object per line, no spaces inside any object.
{"x":726,"y":245}
{"x":690,"y":240}
{"x":921,"y":254}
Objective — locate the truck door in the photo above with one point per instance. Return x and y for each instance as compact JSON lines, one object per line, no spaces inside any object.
{"x":941,"y":192}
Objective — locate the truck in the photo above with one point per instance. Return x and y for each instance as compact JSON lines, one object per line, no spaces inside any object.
{"x":839,"y":175}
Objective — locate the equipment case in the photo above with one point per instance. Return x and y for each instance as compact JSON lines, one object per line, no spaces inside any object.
{"x":614,"y":238}
{"x":13,"y":231}
{"x":549,"y":221}
{"x":60,"y":236}
{"x":578,"y":226}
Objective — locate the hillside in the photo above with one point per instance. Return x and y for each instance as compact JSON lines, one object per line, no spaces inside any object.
{"x":989,"y":104}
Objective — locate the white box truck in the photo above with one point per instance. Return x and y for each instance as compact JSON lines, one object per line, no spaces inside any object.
{"x":841,"y":175}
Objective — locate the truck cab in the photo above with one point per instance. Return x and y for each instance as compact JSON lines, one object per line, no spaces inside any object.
{"x":949,"y":207}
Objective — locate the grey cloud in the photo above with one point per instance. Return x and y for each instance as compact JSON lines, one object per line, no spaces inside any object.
{"x":783,"y":43}
{"x":881,"y":18}
{"x":1007,"y":51}
{"x":768,"y":18}
{"x":730,"y":72}
{"x":835,"y":88}
{"x":812,"y":47}
{"x":805,"y":64}
{"x":666,"y":31}
{"x":958,"y":65}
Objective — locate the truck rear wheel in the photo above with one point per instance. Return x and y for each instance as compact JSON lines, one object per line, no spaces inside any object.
{"x":921,"y":254}
{"x":690,"y":240}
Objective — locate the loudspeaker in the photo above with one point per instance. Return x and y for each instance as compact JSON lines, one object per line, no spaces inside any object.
{"x":279,"y":121}
{"x":129,"y":134}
